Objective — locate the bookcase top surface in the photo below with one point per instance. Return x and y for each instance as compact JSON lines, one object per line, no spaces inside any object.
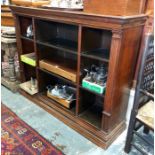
{"x":80,"y":17}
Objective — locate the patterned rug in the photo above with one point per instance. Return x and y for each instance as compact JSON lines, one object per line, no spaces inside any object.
{"x":18,"y":138}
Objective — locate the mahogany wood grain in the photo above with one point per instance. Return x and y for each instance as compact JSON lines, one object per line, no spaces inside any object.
{"x":78,"y":69}
{"x":121,"y":70}
{"x":150,"y":7}
{"x":111,"y":7}
{"x":79,"y":17}
{"x":19,"y":47}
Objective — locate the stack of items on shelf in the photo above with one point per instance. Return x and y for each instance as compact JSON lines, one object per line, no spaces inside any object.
{"x":95,"y":79}
{"x":63,"y":94}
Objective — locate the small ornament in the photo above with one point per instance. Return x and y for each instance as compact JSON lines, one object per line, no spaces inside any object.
{"x":29,"y":32}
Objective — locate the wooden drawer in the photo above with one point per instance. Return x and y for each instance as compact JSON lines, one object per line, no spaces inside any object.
{"x":59,"y":69}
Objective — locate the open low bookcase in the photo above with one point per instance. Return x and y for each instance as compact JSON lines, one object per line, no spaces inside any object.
{"x":73,"y":41}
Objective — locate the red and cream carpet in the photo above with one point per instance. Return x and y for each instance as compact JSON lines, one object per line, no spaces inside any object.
{"x":18,"y":138}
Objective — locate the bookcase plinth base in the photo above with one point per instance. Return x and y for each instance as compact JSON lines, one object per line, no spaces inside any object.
{"x":104,"y":140}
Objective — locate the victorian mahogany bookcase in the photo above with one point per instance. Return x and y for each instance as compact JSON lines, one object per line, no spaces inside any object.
{"x":74,"y":40}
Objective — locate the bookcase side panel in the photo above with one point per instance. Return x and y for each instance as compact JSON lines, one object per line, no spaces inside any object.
{"x":121,"y":76}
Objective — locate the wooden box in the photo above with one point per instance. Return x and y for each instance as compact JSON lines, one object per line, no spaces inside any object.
{"x":63,"y":102}
{"x":113,"y":7}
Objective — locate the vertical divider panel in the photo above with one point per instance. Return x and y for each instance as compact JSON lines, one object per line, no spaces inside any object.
{"x":34,"y":43}
{"x":19,"y":46}
{"x":35,"y":50}
{"x":78,"y":68}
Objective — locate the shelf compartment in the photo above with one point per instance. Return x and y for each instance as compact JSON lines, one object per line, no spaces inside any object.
{"x":91,"y":110}
{"x":29,"y":59}
{"x":98,"y":54}
{"x":27,"y":46}
{"x":61,"y":44}
{"x":58,"y":35}
{"x":28,"y":72}
{"x":50,"y":53}
{"x":60,"y":68}
{"x":91,"y":117}
{"x":45,"y":79}
{"x":24,"y":23}
{"x":26,"y":86}
{"x":94,"y":41}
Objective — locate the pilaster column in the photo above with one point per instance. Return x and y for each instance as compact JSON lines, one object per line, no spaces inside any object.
{"x":111,"y":86}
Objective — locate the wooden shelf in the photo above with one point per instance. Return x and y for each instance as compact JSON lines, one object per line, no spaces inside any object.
{"x":26,"y":38}
{"x":99,"y":54}
{"x":61,"y":44}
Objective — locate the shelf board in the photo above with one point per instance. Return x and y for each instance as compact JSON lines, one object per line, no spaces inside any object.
{"x":61,"y":44}
{"x":26,"y":38}
{"x":92,"y":117}
{"x":58,"y":76}
{"x":98,"y":54}
{"x":100,"y":95}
